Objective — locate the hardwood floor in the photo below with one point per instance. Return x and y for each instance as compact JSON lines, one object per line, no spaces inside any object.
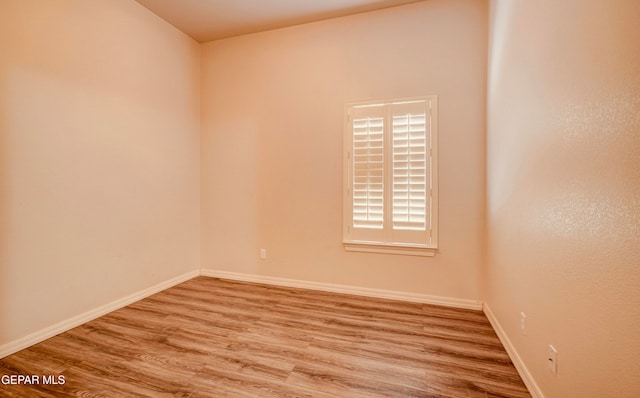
{"x":215,"y":338}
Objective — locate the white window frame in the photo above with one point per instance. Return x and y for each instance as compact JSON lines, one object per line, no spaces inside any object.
{"x":381,"y":240}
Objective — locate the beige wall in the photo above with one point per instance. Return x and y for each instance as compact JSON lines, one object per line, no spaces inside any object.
{"x":272,"y":143}
{"x":99,"y":157}
{"x":564,"y":190}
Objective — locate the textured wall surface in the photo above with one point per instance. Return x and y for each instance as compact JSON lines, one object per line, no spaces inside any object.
{"x":564,"y":190}
{"x":99,"y":157}
{"x":272,"y":143}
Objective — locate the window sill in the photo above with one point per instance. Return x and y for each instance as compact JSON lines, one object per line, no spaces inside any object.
{"x":406,"y":250}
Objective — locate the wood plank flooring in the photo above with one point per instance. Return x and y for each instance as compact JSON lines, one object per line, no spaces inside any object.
{"x":215,"y":338}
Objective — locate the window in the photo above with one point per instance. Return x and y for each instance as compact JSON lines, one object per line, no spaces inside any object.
{"x":390,"y":176}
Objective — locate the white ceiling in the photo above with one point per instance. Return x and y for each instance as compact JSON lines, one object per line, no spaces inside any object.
{"x":206,"y":20}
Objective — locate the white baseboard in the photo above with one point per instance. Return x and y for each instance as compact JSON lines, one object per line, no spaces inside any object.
{"x":354,"y":290}
{"x":41,"y":335}
{"x":528,"y":380}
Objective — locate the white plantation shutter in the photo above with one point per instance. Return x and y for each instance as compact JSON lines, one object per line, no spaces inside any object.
{"x":390,"y":174}
{"x":409,"y":165}
{"x":368,"y":172}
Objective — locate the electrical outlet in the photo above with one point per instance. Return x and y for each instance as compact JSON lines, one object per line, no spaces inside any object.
{"x":523,"y":322}
{"x":263,"y":254}
{"x":552,"y":359}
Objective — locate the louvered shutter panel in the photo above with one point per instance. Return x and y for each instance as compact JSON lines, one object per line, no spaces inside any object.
{"x":368,"y":159}
{"x":391,"y":173}
{"x":410,"y":166}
